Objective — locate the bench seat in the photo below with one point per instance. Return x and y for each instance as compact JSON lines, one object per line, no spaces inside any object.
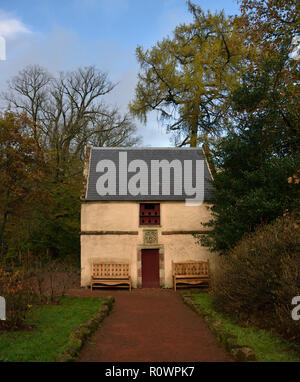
{"x":107,"y":274}
{"x":190,"y":273}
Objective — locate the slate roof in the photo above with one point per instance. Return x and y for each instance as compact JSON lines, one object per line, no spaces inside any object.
{"x":146,"y":154}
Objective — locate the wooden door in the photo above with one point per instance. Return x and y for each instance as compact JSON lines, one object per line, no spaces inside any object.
{"x":150,"y":268}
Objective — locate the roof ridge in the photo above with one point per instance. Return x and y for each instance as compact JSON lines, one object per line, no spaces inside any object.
{"x":146,"y":148}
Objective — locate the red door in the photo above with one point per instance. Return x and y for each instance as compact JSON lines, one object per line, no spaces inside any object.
{"x":150,"y":268}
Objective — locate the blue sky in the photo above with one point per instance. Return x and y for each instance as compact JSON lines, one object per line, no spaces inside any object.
{"x":63,"y":35}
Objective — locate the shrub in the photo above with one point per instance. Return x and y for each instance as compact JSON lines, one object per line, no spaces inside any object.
{"x":17,"y":290}
{"x":258,"y":278}
{"x":34,"y":280}
{"x":52,"y":279}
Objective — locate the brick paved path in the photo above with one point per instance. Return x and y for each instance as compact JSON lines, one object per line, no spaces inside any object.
{"x":150,"y":325}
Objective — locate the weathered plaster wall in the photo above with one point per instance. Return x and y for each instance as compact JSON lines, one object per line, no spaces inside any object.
{"x":107,"y":248}
{"x":124,"y":216}
{"x":181,"y":248}
{"x":109,"y":216}
{"x":177,"y":216}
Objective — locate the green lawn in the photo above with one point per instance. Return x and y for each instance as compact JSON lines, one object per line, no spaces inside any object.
{"x":52,"y":327}
{"x":267,"y":345}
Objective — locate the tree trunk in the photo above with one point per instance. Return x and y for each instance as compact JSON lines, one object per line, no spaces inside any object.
{"x":194,"y":131}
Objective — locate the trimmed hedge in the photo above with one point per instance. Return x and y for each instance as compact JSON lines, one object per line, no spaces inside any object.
{"x":80,"y":334}
{"x":239,"y":351}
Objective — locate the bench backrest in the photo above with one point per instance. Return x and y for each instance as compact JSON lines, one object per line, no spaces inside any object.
{"x":106,"y":270}
{"x":191,"y":268}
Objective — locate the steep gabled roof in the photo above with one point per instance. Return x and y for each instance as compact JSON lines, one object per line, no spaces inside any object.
{"x":148,"y":155}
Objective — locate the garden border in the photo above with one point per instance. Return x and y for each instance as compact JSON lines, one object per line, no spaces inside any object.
{"x":238,"y":351}
{"x":81,"y":333}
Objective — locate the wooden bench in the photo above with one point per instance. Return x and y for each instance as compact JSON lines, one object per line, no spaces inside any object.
{"x":106,"y":274}
{"x":190,"y":273}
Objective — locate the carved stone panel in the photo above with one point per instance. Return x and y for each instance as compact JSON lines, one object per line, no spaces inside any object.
{"x":150,"y":236}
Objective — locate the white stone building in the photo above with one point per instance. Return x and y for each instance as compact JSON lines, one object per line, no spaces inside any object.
{"x":130,"y":215}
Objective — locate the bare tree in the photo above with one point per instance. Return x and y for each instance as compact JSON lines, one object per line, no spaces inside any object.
{"x":28,"y":92}
{"x":69,"y":112}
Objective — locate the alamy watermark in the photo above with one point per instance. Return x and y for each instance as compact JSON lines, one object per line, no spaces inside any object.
{"x":151,"y":178}
{"x":2,"y":308}
{"x":2,"y":49}
{"x":296,"y":311}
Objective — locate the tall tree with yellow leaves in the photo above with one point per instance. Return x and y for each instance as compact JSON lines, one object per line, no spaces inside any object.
{"x":187,"y":78}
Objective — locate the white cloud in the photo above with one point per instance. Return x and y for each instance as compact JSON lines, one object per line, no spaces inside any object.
{"x":62,"y":49}
{"x":11,"y":26}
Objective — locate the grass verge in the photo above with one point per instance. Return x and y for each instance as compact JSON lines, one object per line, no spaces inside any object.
{"x":245,"y":343}
{"x":52,"y":327}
